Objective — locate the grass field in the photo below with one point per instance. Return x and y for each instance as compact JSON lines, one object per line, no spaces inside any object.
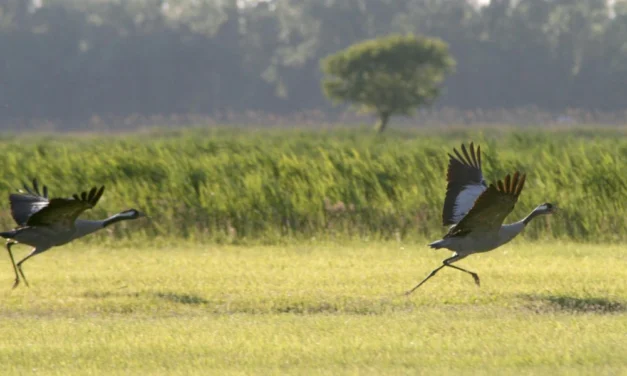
{"x":316,"y":308}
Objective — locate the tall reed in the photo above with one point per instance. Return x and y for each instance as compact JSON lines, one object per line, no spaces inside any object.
{"x":244,"y":185}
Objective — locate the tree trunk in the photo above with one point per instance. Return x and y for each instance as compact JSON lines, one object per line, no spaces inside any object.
{"x":384,"y":118}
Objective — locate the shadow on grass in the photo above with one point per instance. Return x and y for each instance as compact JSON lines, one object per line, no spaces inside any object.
{"x":109,"y":294}
{"x":181,"y":298}
{"x":305,"y":306}
{"x":169,"y":296}
{"x":277,"y":305}
{"x":570,"y":304}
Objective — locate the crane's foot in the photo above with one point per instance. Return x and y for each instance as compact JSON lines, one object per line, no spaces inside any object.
{"x":17,"y":282}
{"x":476,"y":278}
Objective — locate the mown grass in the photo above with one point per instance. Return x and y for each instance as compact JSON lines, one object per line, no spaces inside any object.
{"x":247,"y":186}
{"x":315,"y":308}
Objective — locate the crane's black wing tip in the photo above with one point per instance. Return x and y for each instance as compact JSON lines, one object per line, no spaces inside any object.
{"x":465,"y":166}
{"x":95,"y":194}
{"x":512,"y":184}
{"x":92,"y":197}
{"x":34,"y":189}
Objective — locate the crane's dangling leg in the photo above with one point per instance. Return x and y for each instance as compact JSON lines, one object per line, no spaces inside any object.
{"x":475,"y":276}
{"x":19,"y":264}
{"x":11,"y":243}
{"x":444,"y":263}
{"x":425,"y":280}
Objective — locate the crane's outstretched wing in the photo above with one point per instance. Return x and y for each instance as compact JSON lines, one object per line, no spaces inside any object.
{"x":465,"y":184}
{"x":492,"y":206}
{"x":28,"y":202}
{"x":62,"y":212}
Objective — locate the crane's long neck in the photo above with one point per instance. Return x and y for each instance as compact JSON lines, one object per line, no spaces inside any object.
{"x":536,"y":212}
{"x":509,"y":232}
{"x":124,"y":216}
{"x":85,"y":227}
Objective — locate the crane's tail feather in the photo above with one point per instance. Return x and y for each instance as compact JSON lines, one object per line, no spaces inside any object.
{"x":438,"y":244}
{"x":8,"y":234}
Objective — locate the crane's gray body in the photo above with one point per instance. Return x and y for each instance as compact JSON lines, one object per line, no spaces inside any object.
{"x":480,"y":241}
{"x":45,"y":237}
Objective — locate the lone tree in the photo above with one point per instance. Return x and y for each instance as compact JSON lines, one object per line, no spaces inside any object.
{"x":389,"y":76}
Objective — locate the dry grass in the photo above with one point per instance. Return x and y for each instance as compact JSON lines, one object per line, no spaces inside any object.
{"x":315,"y":308}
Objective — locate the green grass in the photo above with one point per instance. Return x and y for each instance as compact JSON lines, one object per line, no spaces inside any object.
{"x":315,"y":308}
{"x":275,"y":186}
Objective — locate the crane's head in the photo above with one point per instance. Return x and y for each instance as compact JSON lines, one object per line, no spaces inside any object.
{"x":123,"y":216}
{"x":131,"y":214}
{"x":546,"y":208}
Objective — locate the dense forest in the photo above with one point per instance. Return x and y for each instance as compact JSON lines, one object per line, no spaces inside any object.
{"x":69,"y":60}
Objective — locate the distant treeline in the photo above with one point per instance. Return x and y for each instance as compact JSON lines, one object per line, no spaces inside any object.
{"x":68,"y":60}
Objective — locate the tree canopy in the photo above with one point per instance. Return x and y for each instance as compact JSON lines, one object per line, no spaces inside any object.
{"x":388,"y":76}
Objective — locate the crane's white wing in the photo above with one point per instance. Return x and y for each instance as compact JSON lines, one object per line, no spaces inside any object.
{"x":28,"y":202}
{"x":492,"y":207}
{"x":465,"y":184}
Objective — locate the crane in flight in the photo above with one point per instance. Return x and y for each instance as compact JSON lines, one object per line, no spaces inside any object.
{"x":476,"y":211}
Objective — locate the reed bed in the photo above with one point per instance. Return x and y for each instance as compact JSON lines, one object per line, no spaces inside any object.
{"x":240,"y":185}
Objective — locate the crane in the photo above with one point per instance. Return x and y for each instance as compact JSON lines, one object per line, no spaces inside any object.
{"x":44,"y":223}
{"x":476,"y":211}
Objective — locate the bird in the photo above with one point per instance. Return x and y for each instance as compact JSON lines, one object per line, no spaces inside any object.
{"x":476,"y":211}
{"x":44,"y":222}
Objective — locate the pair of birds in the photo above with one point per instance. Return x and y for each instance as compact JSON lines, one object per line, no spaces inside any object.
{"x":475,"y":210}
